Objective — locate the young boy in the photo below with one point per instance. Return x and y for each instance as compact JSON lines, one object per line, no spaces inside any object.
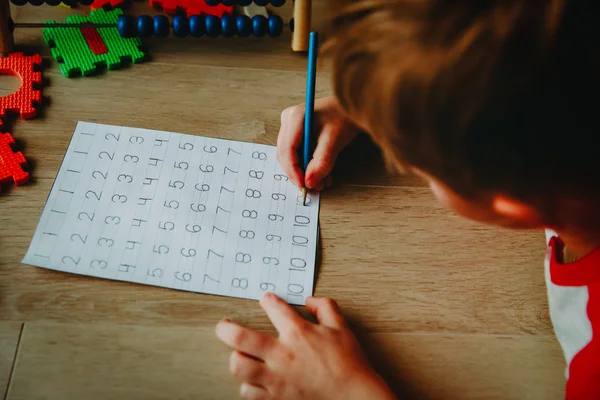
{"x":493,"y":103}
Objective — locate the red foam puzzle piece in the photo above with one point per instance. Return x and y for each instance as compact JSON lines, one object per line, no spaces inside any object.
{"x":107,"y":4}
{"x":23,"y":100}
{"x":93,"y":39}
{"x":191,"y":7}
{"x":11,"y":162}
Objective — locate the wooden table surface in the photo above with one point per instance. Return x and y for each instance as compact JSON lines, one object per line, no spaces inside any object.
{"x":446,"y":308}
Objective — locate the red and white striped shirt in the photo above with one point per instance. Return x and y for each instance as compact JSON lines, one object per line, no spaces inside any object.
{"x":574,"y":299}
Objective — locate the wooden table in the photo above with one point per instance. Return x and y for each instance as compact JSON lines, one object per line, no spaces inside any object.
{"x":446,"y":308}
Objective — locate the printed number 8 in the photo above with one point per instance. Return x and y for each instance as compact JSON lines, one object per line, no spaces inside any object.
{"x":247,"y":234}
{"x":250,"y":214}
{"x":259,"y":155}
{"x":255,"y":194}
{"x":240,"y":283}
{"x":243,"y":258}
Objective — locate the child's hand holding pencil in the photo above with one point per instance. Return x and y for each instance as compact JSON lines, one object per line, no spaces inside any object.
{"x":300,"y":124}
{"x":332,"y":133}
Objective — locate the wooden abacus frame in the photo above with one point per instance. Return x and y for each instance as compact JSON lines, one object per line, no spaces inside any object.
{"x":300,"y":35}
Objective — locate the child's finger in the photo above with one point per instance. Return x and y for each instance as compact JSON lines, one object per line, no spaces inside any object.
{"x":251,"y":392}
{"x":323,"y":159}
{"x":329,"y":181}
{"x":247,"y":369}
{"x":288,"y":142}
{"x":281,"y":314}
{"x":256,"y":344}
{"x":319,"y":186}
{"x":326,"y":311}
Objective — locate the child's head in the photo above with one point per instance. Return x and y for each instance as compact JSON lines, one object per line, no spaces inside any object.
{"x":493,"y":102}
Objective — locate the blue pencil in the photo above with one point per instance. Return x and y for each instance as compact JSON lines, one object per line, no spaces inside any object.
{"x":311,"y":76}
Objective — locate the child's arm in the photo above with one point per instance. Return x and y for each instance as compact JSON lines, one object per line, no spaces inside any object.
{"x":334,"y":131}
{"x":307,"y":361}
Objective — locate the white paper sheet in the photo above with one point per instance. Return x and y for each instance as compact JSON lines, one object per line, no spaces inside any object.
{"x":178,"y":211}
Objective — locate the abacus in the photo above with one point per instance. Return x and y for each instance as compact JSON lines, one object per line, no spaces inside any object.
{"x":145,"y":26}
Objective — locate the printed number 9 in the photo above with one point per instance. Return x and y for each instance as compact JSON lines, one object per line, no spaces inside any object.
{"x":267,"y":286}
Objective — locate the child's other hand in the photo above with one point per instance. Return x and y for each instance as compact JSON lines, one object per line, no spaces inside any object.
{"x":307,"y":361}
{"x":335,"y":131}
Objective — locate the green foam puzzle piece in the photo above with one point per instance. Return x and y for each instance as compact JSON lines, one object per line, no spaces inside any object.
{"x":70,"y":49}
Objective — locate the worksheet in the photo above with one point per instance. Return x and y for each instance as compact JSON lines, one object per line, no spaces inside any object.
{"x":179,"y":211}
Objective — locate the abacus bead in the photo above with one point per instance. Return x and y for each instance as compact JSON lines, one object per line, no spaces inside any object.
{"x":277,"y":3}
{"x":244,"y":25}
{"x":53,"y":2}
{"x":196,"y":25}
{"x":261,"y":3}
{"x":228,"y":3}
{"x":145,"y":26}
{"x":275,"y":25}
{"x":212,"y":2}
{"x":19,"y":2}
{"x":161,"y":26}
{"x":70,"y":2}
{"x":36,"y":2}
{"x":228,"y":26}
{"x":86,"y":2}
{"x":181,"y":27}
{"x":244,"y":3}
{"x":259,"y":25}
{"x":126,"y":26}
{"x":213,"y":26}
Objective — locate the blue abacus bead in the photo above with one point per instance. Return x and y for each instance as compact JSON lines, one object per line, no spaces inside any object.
{"x":275,"y":25}
{"x":228,"y":3}
{"x":19,"y":2}
{"x":196,"y":25}
{"x":145,"y":26}
{"x":71,"y":3}
{"x":244,"y":3}
{"x":277,"y":3}
{"x":261,"y":3}
{"x":36,"y":2}
{"x":259,"y":25}
{"x":161,"y":26}
{"x":53,"y":2}
{"x":228,"y":26}
{"x":213,"y":26}
{"x":212,"y":2}
{"x":126,"y":26}
{"x":181,"y":27}
{"x":244,"y":25}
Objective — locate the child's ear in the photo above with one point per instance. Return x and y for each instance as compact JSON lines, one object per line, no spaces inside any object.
{"x":517,"y":211}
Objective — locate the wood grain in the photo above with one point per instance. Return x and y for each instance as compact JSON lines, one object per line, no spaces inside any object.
{"x":9,"y":341}
{"x":454,"y":309}
{"x":115,"y":362}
